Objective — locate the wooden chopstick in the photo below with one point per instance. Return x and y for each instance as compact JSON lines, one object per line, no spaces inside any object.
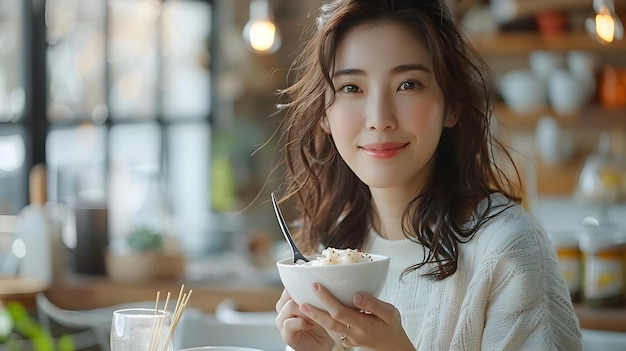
{"x":181,"y":304}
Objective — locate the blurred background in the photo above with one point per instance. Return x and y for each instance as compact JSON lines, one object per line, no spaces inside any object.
{"x":148,"y":118}
{"x":137,"y":148}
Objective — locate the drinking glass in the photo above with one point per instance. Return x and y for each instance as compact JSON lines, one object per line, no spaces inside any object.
{"x":141,"y":329}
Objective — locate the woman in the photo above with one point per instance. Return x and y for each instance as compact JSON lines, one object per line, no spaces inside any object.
{"x":388,"y":149}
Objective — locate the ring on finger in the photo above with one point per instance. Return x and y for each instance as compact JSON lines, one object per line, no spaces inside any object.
{"x":343,"y":337}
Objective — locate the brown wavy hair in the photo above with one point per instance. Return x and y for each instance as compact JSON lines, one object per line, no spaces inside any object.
{"x":333,"y":205}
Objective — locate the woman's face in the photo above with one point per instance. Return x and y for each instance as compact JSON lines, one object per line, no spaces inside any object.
{"x":388,"y":113}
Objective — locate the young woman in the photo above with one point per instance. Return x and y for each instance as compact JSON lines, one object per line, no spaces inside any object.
{"x":388,"y":149}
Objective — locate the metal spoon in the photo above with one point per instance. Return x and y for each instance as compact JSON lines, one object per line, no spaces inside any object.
{"x":297,"y":255}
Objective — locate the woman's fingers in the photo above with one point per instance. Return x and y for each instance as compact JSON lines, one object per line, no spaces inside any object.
{"x":369,"y":322}
{"x":337,"y":317}
{"x":284,"y":298}
{"x":369,"y":304}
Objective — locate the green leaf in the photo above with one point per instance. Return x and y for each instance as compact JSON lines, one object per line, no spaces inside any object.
{"x":144,"y":239}
{"x":66,"y":343}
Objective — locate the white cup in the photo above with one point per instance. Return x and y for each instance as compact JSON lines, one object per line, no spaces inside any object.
{"x":583,"y":65}
{"x":567,"y":93}
{"x":522,"y":91}
{"x":543,"y":62}
{"x":555,"y":145}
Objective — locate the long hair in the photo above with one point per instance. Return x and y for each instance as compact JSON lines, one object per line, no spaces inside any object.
{"x":333,"y":203}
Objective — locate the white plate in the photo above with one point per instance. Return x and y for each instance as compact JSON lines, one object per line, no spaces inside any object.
{"x":220,"y":348}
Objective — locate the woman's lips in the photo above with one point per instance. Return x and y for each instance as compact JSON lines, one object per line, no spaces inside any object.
{"x":383,"y":150}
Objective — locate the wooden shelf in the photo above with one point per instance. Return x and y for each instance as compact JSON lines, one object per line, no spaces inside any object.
{"x":524,"y":42}
{"x":592,"y":116}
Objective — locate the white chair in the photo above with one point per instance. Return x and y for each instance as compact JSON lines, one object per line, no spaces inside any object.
{"x":230,"y":327}
{"x":92,"y":327}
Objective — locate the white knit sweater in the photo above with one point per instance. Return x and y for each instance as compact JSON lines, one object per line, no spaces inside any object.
{"x":507,"y":292}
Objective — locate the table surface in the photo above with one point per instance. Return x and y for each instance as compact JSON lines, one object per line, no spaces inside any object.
{"x":20,"y":289}
{"x":81,"y":293}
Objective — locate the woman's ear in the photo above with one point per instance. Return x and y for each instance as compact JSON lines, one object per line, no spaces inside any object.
{"x":324,"y":124}
{"x":452,"y":117}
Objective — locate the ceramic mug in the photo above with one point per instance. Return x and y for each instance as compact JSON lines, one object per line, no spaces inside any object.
{"x":567,"y":93}
{"x":612,"y":87}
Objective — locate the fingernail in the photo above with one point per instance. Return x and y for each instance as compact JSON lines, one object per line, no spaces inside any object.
{"x":304,"y":308}
{"x":358,"y":299}
{"x":315,"y":287}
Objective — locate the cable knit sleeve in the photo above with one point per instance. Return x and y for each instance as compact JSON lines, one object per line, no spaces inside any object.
{"x":527,"y":304}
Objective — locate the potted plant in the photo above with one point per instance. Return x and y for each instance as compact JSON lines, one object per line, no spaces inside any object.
{"x":19,"y":331}
{"x":146,"y":256}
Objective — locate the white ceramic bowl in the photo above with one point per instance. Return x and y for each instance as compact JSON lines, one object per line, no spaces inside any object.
{"x":220,"y":348}
{"x":343,"y":281}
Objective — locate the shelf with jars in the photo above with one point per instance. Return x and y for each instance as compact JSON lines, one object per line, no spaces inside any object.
{"x":520,"y":43}
{"x":594,"y":115}
{"x":557,"y":172}
{"x":569,"y":78}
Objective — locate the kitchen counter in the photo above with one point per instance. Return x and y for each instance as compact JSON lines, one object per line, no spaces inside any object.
{"x":87,"y":292}
{"x":95,"y":292}
{"x":21,"y":290}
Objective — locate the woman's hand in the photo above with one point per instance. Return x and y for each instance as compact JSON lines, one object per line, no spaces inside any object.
{"x":373,"y":324}
{"x":297,"y":330}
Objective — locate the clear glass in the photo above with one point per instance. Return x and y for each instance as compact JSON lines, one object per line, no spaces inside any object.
{"x":136,"y":329}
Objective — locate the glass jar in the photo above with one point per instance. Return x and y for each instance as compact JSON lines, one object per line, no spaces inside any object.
{"x":603,"y":251}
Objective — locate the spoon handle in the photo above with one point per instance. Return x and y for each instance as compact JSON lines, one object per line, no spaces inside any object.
{"x":297,"y":255}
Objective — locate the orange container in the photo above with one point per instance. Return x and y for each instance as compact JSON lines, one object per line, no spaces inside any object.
{"x":612,"y":87}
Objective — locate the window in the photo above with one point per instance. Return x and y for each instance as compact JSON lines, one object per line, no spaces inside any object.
{"x":100,"y":90}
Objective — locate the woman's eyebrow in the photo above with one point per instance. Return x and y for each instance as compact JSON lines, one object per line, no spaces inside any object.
{"x":348,"y":72}
{"x":398,"y":69}
{"x":410,"y":67}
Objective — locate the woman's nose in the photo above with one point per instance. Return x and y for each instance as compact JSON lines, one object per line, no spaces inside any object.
{"x":380,"y":113}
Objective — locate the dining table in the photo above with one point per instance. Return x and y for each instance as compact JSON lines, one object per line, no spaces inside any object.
{"x":23,"y":290}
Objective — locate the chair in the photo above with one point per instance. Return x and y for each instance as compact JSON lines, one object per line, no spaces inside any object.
{"x":230,"y":327}
{"x":92,"y":327}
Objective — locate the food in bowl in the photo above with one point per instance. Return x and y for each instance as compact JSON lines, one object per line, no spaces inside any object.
{"x":343,"y":280}
{"x":332,"y":256}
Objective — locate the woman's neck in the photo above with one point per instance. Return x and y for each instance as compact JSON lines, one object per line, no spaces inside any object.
{"x":388,"y":205}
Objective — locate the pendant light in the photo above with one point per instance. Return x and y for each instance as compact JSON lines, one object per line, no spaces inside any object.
{"x":261,"y":33}
{"x":604,"y":25}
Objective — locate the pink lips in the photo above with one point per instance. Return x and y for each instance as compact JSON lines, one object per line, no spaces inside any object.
{"x":383,"y":150}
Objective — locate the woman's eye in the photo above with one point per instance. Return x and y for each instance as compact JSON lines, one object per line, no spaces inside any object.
{"x":349,"y":88}
{"x":409,"y":85}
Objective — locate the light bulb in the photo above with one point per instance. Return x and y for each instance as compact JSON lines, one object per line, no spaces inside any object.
{"x":260,"y":32}
{"x":605,"y":26}
{"x":261,"y":35}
